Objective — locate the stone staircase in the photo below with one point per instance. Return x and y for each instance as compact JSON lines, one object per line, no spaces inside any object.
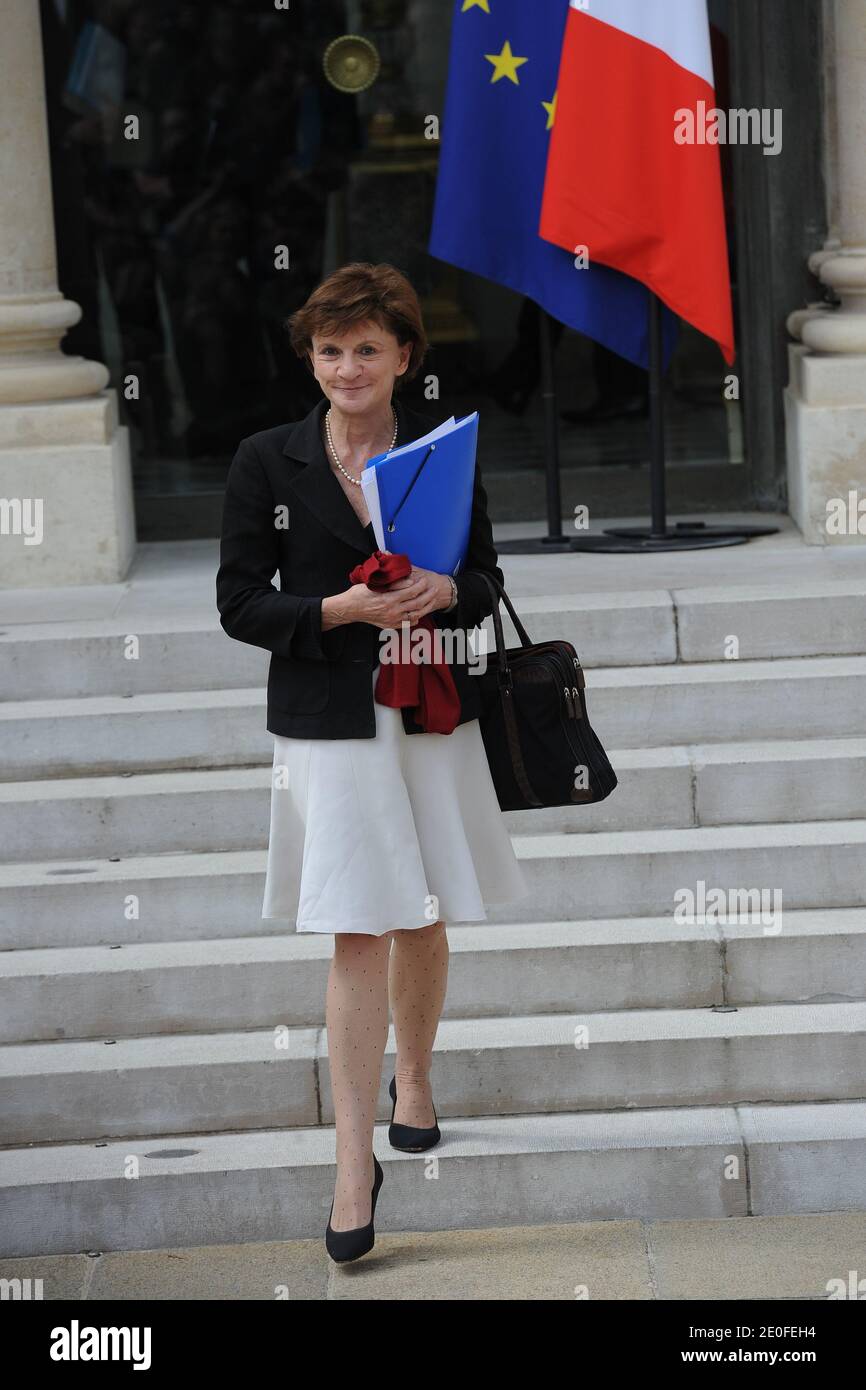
{"x":163,"y":1062}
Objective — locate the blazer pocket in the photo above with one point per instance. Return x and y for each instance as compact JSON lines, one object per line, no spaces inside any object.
{"x":299,"y":687}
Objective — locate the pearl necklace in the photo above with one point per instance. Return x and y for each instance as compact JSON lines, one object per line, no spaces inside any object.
{"x":356,"y":481}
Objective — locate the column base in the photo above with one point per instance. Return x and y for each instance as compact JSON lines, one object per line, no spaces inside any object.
{"x":825,"y":419}
{"x":66,"y":501}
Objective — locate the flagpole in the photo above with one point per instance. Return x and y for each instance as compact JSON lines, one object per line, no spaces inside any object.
{"x":551,"y":431}
{"x":685,"y":535}
{"x":658,"y":508}
{"x":554,"y":540}
{"x":621,"y":540}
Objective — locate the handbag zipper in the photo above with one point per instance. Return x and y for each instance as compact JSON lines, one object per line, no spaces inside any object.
{"x":562,"y":663}
{"x":578,"y":740}
{"x":572,"y":692}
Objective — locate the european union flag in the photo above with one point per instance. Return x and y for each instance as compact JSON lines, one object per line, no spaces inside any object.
{"x":499,"y":108}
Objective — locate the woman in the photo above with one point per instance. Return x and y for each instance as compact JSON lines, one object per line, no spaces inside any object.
{"x":380,"y":832}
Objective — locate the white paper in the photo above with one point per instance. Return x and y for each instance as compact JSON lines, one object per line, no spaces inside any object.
{"x":370,"y":489}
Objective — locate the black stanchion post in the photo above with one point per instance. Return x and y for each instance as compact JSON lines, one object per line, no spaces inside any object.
{"x":657,"y":418}
{"x":551,"y":430}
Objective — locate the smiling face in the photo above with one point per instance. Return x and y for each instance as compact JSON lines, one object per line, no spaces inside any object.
{"x":357,"y":368}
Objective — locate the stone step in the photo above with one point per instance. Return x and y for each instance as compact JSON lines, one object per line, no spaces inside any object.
{"x":637,"y":1059}
{"x":171,"y":897}
{"x":229,"y":808}
{"x":644,"y":627}
{"x":226,"y":1189}
{"x":629,"y":707}
{"x":550,"y":967}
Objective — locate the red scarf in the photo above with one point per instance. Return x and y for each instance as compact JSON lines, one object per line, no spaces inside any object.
{"x":427,"y":687}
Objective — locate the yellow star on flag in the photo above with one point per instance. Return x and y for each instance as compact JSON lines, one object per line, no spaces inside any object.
{"x":505,"y":64}
{"x":467,"y":5}
{"x":550,"y":108}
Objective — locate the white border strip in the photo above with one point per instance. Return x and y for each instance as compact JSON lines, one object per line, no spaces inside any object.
{"x":680,"y":28}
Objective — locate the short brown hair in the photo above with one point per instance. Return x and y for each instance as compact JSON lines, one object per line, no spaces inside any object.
{"x":356,"y":293}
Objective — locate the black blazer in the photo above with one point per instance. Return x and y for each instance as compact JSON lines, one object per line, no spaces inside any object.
{"x":285,"y":511}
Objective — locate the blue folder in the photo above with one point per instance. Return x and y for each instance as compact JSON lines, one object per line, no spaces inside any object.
{"x":420,"y":496}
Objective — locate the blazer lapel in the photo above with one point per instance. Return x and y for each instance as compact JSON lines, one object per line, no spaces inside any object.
{"x":317,"y":487}
{"x":316,"y":484}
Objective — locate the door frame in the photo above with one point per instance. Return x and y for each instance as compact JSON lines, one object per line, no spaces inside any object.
{"x":781,"y":215}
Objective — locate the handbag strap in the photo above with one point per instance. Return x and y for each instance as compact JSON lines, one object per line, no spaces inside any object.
{"x":497,"y":592}
{"x":506,"y":686}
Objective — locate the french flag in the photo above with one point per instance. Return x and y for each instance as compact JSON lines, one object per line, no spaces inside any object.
{"x":618,"y":180}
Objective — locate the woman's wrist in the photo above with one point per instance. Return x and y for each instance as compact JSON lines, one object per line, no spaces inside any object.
{"x":335,"y":610}
{"x":450,"y":599}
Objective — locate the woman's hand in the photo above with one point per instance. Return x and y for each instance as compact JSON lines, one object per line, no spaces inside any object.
{"x":405,"y":600}
{"x":434,"y":593}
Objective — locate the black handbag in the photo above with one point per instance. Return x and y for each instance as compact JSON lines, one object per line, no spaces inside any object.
{"x":539,"y":742}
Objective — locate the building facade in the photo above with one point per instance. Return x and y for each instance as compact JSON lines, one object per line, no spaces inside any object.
{"x":176,"y":178}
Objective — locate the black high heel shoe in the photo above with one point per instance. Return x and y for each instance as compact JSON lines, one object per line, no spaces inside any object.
{"x":351,"y":1245}
{"x":408,"y":1138}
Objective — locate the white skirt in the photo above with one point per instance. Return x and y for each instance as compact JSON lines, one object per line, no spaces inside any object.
{"x":388,"y":833}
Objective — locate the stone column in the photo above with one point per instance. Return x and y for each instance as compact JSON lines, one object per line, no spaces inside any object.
{"x":66,"y":509}
{"x":825,"y":401}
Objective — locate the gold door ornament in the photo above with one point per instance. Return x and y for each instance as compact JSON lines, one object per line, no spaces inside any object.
{"x":351,"y":63}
